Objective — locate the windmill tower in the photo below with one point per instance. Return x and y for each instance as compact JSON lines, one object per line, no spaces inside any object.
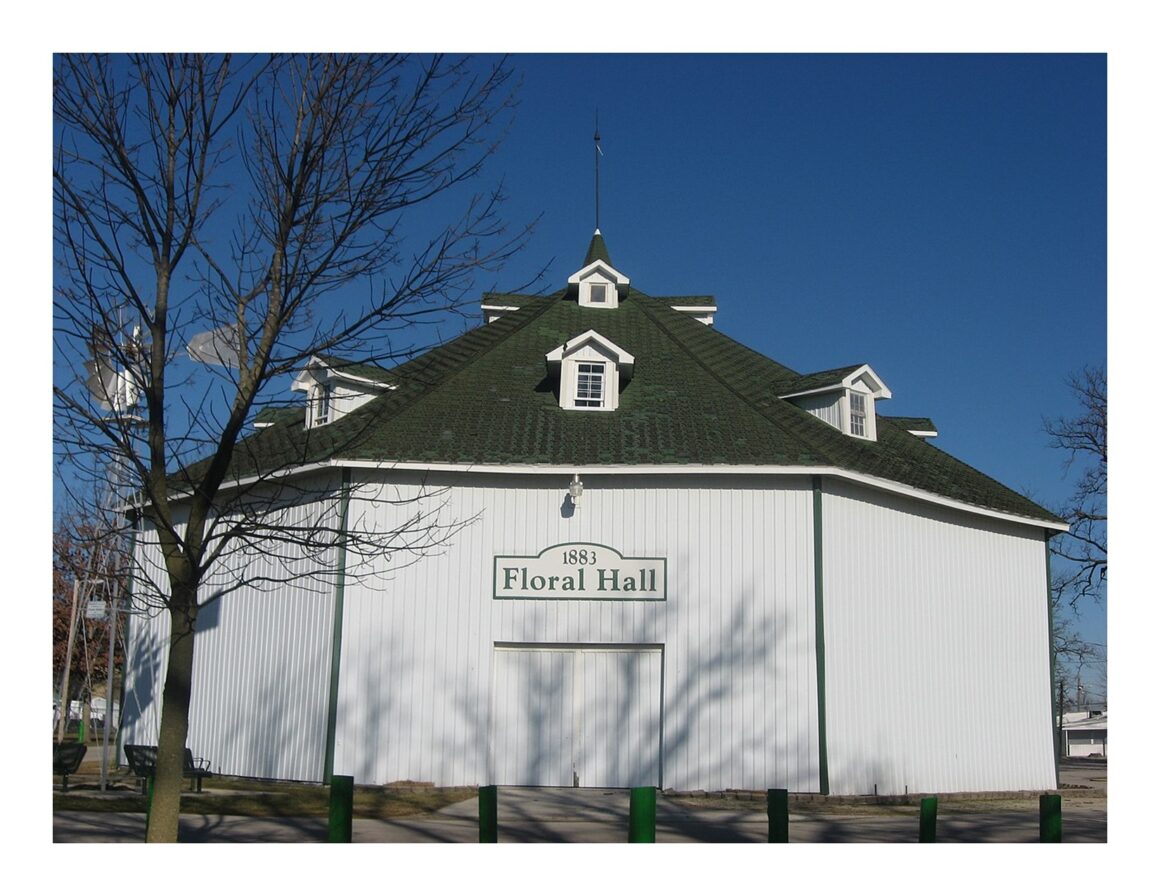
{"x":114,"y":382}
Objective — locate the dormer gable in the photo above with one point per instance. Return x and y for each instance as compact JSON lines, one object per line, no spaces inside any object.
{"x":496,"y":304}
{"x":335,"y":387}
{"x":700,"y":308}
{"x":843,"y":398}
{"x":590,"y":370}
{"x":919,"y":427}
{"x":598,"y":284}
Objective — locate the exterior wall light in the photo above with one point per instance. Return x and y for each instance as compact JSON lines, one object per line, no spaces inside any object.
{"x":575,"y":489}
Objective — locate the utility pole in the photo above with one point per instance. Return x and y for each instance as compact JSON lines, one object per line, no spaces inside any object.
{"x":109,"y":693}
{"x":62,"y":722}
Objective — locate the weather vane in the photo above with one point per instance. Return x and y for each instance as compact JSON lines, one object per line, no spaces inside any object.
{"x":598,"y":154}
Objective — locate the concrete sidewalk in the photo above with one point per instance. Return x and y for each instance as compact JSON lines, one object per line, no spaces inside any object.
{"x":530,"y":815}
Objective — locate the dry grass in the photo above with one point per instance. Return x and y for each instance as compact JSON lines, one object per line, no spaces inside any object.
{"x":808,"y":805}
{"x":237,"y":796}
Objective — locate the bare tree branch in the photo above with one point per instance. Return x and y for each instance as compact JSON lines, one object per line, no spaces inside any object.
{"x":1084,"y":437}
{"x":276,"y":199}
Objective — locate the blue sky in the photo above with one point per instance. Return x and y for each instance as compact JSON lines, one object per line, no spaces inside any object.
{"x":971,"y":304}
{"x":940,"y":217}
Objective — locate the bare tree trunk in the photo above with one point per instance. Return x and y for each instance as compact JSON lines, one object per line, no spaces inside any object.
{"x":166,"y":808}
{"x":317,"y":161}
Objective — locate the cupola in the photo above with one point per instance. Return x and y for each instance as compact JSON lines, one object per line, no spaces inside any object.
{"x":598,"y":284}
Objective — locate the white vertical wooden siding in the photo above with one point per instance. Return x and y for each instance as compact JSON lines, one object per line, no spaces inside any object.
{"x":261,"y":662}
{"x":532,"y":727}
{"x":589,"y":715}
{"x":827,"y":407}
{"x":740,"y":699}
{"x":147,"y":645}
{"x":936,"y":637}
{"x":617,"y":701}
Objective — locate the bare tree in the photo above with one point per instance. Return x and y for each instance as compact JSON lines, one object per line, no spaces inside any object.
{"x":87,"y":561}
{"x":1084,"y":549}
{"x":268,"y":208}
{"x":1081,"y":568}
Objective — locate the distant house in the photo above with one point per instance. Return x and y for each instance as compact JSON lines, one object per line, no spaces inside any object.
{"x":688,"y":566}
{"x":1085,"y":734}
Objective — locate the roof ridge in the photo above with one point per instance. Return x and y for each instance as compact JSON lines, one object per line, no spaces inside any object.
{"x":840,"y":369}
{"x":809,"y":439}
{"x":521,"y":317}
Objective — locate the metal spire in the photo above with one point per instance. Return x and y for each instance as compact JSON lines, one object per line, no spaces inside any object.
{"x":598,"y":154}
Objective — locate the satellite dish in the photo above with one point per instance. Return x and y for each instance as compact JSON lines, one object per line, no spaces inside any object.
{"x":218,"y":346}
{"x":102,"y":381}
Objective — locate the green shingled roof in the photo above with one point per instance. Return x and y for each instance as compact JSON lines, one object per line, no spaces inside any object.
{"x":912,"y":424}
{"x":820,"y":380}
{"x":359,"y":369}
{"x":696,"y":397}
{"x":597,"y":251}
{"x":690,"y":301}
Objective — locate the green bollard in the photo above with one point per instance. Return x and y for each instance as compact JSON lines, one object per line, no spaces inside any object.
{"x":777,"y":805}
{"x":928,"y":816}
{"x":148,"y":802}
{"x":642,"y":815}
{"x":489,"y":814}
{"x":81,"y":731}
{"x":1050,"y":818}
{"x":341,"y":809}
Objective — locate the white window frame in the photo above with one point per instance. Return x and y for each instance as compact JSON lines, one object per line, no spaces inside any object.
{"x":589,"y":349}
{"x":598,"y":284}
{"x":858,"y":414}
{"x":322,"y":404}
{"x":851,"y":416}
{"x":599,"y":273}
{"x":591,"y":377}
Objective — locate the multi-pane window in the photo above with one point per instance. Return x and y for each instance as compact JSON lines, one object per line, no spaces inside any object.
{"x":322,"y":396}
{"x":857,"y":414}
{"x":589,"y":385}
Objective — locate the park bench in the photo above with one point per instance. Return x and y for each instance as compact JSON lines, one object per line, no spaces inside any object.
{"x":143,"y":764}
{"x":66,"y":759}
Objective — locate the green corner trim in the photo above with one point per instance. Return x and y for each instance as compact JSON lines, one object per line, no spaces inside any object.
{"x":1056,"y":710}
{"x":127,"y":621}
{"x":336,"y":636}
{"x":820,"y":641}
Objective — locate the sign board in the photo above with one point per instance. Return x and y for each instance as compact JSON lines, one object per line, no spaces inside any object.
{"x":579,"y":571}
{"x":97,"y":609}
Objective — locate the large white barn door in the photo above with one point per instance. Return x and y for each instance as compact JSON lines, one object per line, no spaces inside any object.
{"x":617,"y":705}
{"x":532,"y":718}
{"x":577,"y":715}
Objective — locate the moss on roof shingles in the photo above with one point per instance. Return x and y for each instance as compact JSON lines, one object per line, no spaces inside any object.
{"x":695,"y":397}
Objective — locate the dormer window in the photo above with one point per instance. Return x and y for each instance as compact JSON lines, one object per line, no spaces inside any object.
{"x":590,"y":371}
{"x":598,"y":284}
{"x":335,"y":387}
{"x":857,"y":414}
{"x":843,"y":398}
{"x":589,"y":385}
{"x":323,"y":395}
